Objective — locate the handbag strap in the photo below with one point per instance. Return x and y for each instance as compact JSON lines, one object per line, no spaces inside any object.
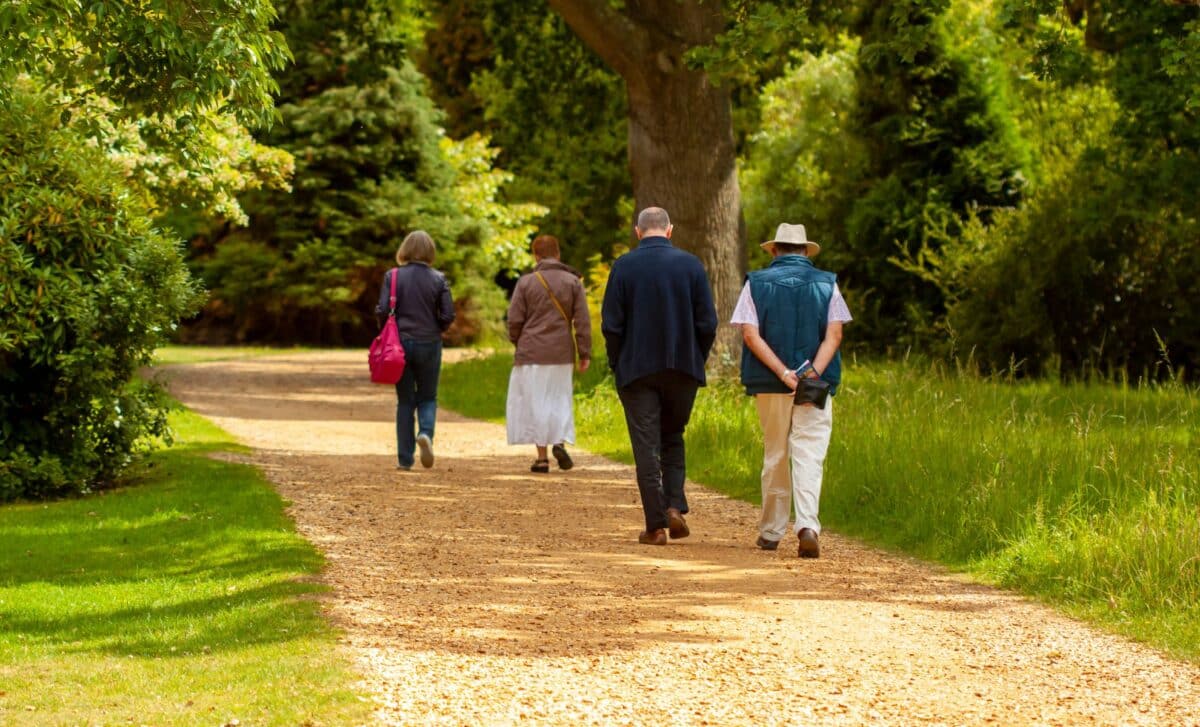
{"x":563,"y":313}
{"x":392,"y":298}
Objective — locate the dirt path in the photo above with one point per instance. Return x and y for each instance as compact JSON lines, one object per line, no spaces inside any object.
{"x":476,"y":593}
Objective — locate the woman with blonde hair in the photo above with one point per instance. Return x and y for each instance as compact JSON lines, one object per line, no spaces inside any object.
{"x":424,"y":309}
{"x":546,"y":305}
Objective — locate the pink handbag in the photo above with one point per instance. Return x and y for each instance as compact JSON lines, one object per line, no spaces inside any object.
{"x":386,"y":358}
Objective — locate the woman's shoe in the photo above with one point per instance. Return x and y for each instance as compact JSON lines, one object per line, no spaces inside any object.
{"x":540,"y":465}
{"x":561,"y":456}
{"x":425,"y":444}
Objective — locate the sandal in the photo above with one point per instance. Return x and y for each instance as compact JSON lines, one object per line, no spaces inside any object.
{"x":540,"y":465}
{"x":561,"y":456}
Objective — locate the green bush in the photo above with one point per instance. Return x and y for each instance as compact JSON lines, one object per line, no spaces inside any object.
{"x":89,"y":289}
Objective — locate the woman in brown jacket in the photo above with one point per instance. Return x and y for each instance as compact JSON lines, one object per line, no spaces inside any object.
{"x":546,"y":305}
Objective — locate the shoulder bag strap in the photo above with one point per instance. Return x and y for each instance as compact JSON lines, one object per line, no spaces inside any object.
{"x":392,"y":299}
{"x":570,"y":328}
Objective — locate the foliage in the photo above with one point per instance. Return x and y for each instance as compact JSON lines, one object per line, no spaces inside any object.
{"x":506,"y":228}
{"x":1098,"y":270}
{"x":516,"y":72}
{"x":372,"y":164}
{"x":160,"y":58}
{"x":368,"y":171}
{"x":193,"y":174}
{"x":163,"y":88}
{"x":883,"y":144}
{"x":938,"y":149}
{"x":186,"y":600}
{"x":1084,"y":495}
{"x":804,"y":164}
{"x":90,"y":289}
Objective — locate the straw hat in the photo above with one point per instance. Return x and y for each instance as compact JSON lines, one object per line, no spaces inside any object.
{"x":792,"y":235}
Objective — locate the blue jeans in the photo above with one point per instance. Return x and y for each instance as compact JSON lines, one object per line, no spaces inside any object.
{"x":416,"y":392}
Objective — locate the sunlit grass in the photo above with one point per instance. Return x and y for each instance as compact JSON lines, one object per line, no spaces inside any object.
{"x":174,"y":354}
{"x":1085,"y":495}
{"x":186,"y":599}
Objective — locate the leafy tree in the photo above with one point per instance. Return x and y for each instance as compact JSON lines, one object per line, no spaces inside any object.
{"x":516,"y":72}
{"x":938,"y":148}
{"x":151,"y":58}
{"x":90,"y":290}
{"x":1098,"y":270}
{"x":370,"y":167}
{"x":458,"y":45}
{"x":805,"y":164}
{"x":162,"y":88}
{"x":885,"y":143}
{"x":111,"y":114}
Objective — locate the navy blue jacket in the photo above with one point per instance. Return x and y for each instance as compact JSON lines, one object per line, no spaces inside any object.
{"x":424,"y":307}
{"x":658,"y":313}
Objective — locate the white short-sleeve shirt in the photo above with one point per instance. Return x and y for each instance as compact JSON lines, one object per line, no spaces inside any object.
{"x":746,"y":312}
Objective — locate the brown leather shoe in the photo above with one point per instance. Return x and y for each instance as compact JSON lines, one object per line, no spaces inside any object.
{"x":810,"y":546}
{"x":657,"y":536}
{"x":676,"y":525}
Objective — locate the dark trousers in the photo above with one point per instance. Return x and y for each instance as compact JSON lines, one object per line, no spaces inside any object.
{"x":416,"y":393}
{"x":657,"y":408}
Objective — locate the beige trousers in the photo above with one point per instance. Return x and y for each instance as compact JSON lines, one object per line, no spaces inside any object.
{"x":795,"y":439}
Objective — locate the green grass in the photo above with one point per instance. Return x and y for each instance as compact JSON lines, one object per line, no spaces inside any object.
{"x":187,"y":599}
{"x":1086,"y":496}
{"x":197,"y":354}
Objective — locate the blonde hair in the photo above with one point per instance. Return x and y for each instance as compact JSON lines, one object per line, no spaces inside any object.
{"x":417,"y":247}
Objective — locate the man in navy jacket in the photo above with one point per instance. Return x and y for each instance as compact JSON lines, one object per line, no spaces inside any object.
{"x":659,"y":324}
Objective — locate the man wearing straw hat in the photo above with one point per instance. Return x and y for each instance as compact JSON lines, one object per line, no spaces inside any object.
{"x":791,"y":315}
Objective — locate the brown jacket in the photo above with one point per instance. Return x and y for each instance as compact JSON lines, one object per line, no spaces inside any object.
{"x":537,"y":328}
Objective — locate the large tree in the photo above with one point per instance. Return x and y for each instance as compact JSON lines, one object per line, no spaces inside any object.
{"x":682,"y":154}
{"x":517,"y":73}
{"x":98,"y":103}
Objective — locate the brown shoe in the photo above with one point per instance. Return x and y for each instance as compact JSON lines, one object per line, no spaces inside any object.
{"x":810,"y":547}
{"x":676,"y":525}
{"x":657,"y":536}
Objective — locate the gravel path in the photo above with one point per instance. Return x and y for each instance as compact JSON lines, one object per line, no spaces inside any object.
{"x":476,"y":593}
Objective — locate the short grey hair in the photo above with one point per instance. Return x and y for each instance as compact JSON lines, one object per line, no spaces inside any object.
{"x":653,"y":218}
{"x":417,"y":247}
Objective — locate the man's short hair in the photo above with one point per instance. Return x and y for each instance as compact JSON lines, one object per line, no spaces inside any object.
{"x":417,"y":247}
{"x":653,"y":218}
{"x":546,"y":246}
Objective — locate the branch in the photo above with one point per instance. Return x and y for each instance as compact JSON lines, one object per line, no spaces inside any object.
{"x":1094,"y":34}
{"x":611,"y":34}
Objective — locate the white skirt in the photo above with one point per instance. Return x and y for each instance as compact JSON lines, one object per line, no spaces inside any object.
{"x":540,"y":410}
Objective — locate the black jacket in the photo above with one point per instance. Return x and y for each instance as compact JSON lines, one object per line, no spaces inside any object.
{"x":658,"y":312}
{"x":424,"y":307}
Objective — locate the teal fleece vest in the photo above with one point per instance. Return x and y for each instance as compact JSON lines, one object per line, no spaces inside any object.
{"x":792,"y":298}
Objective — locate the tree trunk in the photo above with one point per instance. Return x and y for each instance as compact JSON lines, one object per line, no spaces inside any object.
{"x":681,"y":147}
{"x":682,"y":158}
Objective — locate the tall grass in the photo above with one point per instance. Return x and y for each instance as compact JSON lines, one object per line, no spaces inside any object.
{"x":1086,"y":495}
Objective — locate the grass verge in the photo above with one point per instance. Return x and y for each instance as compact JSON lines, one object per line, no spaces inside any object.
{"x":175,"y":354}
{"x":187,"y":599}
{"x":1084,"y":495}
